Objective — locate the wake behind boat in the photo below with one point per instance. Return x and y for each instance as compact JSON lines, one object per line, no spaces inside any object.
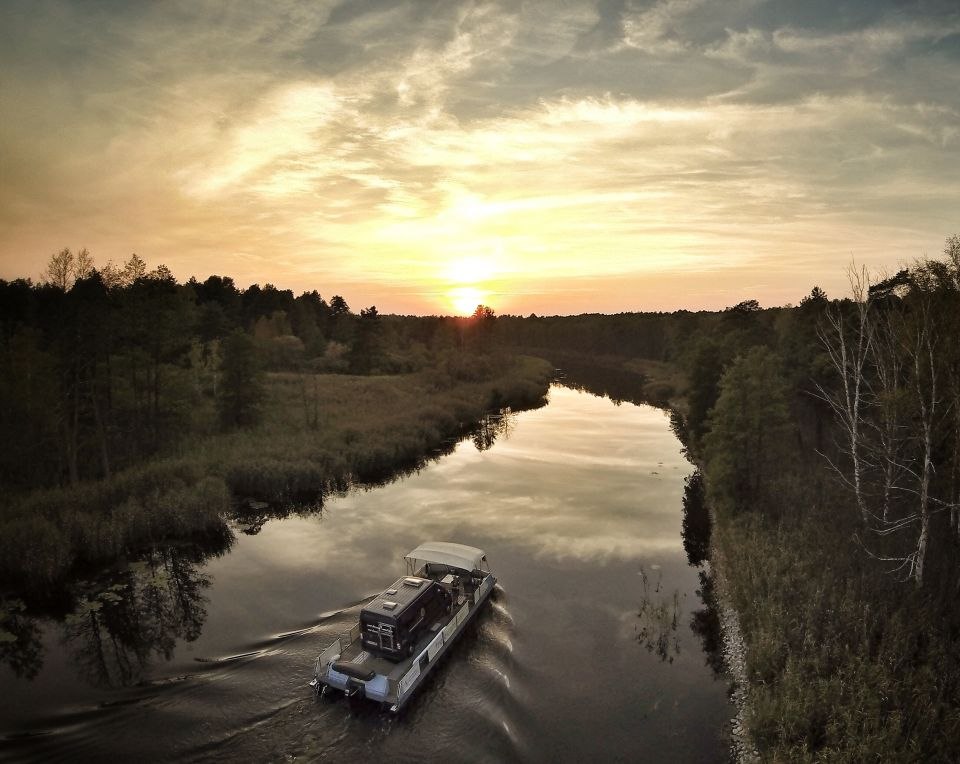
{"x":403,"y":632}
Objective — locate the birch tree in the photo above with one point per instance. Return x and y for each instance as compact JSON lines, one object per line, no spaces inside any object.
{"x":887,"y":394}
{"x":64,"y":268}
{"x":848,"y":341}
{"x":922,"y":351}
{"x":893,"y":405}
{"x":59,"y":270}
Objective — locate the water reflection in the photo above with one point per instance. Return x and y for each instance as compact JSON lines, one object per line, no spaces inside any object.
{"x":658,"y":618}
{"x":135,"y":613}
{"x":589,"y":482}
{"x":706,"y":625}
{"x":569,"y":507}
{"x":19,"y":640}
{"x":491,"y":427}
{"x":696,"y":527}
{"x":614,"y":382}
{"x":695,"y":531}
{"x":119,"y":622}
{"x":250,"y":515}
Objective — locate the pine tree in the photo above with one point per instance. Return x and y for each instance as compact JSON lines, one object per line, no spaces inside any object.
{"x":241,"y":384}
{"x":749,"y":428}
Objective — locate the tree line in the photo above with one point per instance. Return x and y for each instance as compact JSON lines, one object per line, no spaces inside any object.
{"x":866,"y":385}
{"x":105,"y":367}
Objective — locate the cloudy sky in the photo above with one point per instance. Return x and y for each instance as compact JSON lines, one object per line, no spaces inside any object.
{"x":554,"y":157}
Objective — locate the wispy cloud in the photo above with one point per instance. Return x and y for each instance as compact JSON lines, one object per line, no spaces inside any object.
{"x":672,"y":143}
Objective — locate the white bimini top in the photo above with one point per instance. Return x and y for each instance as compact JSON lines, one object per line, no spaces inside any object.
{"x":447,"y":553}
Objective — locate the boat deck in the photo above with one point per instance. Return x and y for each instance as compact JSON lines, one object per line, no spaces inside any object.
{"x":354,"y":652}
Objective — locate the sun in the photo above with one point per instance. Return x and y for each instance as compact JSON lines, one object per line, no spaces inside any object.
{"x":466,"y":299}
{"x":471,"y":278}
{"x":468,"y":270}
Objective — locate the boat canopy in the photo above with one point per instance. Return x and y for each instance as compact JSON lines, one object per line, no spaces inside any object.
{"x":447,"y":553}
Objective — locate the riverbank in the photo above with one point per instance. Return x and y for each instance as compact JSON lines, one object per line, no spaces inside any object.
{"x":318,"y":432}
{"x":734,"y":651}
{"x":830,"y":655}
{"x":841,"y":658}
{"x":636,"y":380}
{"x":839,"y":661}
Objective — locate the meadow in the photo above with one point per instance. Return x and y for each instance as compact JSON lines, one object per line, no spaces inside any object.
{"x":316,"y":433}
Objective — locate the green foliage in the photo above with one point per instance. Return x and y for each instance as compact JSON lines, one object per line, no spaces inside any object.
{"x":241,"y":384}
{"x":28,"y":418}
{"x":367,"y":350}
{"x":844,"y":665}
{"x":846,"y":662}
{"x":368,"y":427}
{"x":748,"y":428}
{"x":705,"y":368}
{"x":44,"y":534}
{"x":114,"y":382}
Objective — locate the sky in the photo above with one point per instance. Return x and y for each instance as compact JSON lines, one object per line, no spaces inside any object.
{"x":549,"y":157}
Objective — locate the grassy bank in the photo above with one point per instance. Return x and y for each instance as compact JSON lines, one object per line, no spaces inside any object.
{"x":637,"y":380}
{"x":317,"y":431}
{"x":841,"y":666}
{"x":845,"y":659}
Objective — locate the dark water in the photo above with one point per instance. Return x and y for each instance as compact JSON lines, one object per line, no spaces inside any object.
{"x":597,"y":646}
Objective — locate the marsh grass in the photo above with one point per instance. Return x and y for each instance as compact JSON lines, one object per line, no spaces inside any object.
{"x":318,"y":433}
{"x":843,"y":666}
{"x":46,"y":533}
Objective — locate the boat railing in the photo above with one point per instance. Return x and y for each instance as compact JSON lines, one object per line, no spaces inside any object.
{"x":481,"y":591}
{"x":337,"y":647}
{"x":351,"y":635}
{"x":430,"y":651}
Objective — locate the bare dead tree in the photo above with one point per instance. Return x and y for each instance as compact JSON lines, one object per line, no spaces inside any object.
{"x":82,"y":264}
{"x":60,"y":270}
{"x":923,"y":348}
{"x":848,"y":342}
{"x":951,"y":251}
{"x":64,"y":268}
{"x":916,"y":340}
{"x":886,"y":395}
{"x":953,"y":382}
{"x":310,"y":397}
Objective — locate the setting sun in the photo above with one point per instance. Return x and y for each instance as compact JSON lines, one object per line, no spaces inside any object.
{"x":466,"y":299}
{"x":468,"y":282}
{"x":469,"y":270}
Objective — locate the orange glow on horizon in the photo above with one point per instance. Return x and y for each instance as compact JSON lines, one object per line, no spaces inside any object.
{"x":465,"y":299}
{"x":466,"y":282}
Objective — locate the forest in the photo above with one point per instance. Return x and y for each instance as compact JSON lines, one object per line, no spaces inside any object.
{"x":135,"y":409}
{"x":827,"y":434}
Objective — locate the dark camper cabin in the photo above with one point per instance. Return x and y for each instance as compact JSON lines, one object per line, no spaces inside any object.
{"x":393,"y":622}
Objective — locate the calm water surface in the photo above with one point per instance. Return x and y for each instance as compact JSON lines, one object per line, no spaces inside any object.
{"x":593,"y":647}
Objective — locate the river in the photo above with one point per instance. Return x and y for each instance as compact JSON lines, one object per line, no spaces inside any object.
{"x":597,"y":645}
